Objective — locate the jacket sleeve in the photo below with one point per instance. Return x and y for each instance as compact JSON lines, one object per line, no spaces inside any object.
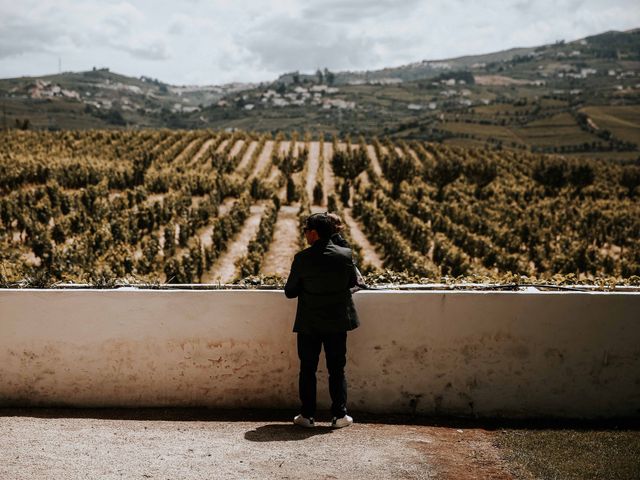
{"x":353,"y":273}
{"x":293,"y":287}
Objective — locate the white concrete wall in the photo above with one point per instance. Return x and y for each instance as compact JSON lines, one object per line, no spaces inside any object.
{"x":461,"y":353}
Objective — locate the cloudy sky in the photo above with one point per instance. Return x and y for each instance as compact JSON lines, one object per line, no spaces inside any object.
{"x":220,"y":41}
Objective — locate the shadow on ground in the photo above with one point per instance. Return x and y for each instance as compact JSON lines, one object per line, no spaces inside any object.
{"x":198,"y":414}
{"x":284,"y":433}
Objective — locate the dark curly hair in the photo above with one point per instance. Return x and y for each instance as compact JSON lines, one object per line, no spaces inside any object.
{"x":321,"y":223}
{"x":336,"y":221}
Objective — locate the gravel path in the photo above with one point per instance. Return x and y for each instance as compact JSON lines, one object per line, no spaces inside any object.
{"x":74,"y":444}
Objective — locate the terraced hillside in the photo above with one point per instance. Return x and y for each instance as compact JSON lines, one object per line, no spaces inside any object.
{"x":579,"y":97}
{"x":216,"y":207}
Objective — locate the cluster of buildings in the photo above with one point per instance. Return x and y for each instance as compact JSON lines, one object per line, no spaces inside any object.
{"x":377,"y":81}
{"x":419,"y":106}
{"x":44,"y":89}
{"x":566,"y":71}
{"x":318,"y":95}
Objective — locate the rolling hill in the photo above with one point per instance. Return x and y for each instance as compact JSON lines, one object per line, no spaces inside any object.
{"x":580,"y":97}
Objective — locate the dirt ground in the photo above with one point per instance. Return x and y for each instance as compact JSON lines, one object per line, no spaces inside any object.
{"x":197,"y":443}
{"x":369,"y":254}
{"x":222,"y":145}
{"x":374,"y":160}
{"x":329,"y":179}
{"x":312,"y":171}
{"x":263,"y":159}
{"x":498,"y":80}
{"x":224,"y":269}
{"x":202,"y":444}
{"x":285,"y":242}
{"x":236,"y":148}
{"x":247,"y":155}
{"x":198,"y":156}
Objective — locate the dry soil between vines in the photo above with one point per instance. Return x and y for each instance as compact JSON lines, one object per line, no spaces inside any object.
{"x":225,"y":269}
{"x":285,"y":243}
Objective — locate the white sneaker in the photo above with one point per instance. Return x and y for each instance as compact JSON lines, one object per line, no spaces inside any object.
{"x":304,"y":421}
{"x":341,"y":422}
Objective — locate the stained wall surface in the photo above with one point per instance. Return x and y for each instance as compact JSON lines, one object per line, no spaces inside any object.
{"x":510,"y":354}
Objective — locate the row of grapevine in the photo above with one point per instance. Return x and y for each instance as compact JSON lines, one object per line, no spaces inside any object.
{"x":250,"y":264}
{"x":165,"y":205}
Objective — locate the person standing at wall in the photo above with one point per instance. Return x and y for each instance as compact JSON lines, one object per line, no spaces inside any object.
{"x":338,"y":239}
{"x":321,"y":277}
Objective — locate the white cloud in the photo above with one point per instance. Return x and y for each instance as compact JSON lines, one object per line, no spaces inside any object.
{"x":354,"y":11}
{"x":143,"y":46}
{"x":219,"y":41}
{"x":60,"y":26}
{"x":281,"y":44}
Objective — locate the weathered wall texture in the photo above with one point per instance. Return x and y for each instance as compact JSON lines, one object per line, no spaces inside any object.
{"x":461,"y":353}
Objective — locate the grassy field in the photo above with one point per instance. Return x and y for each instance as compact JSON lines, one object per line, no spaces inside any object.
{"x":625,"y":157}
{"x":572,"y":453}
{"x":47,"y":114}
{"x":561,"y":129}
{"x":465,"y":142}
{"x":485,"y":131}
{"x":622,"y":121}
{"x":557,"y":130}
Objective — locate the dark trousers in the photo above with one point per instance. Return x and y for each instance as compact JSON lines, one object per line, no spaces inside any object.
{"x":335,"y":352}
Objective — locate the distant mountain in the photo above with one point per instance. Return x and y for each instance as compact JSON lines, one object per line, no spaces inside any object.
{"x":428,"y":68}
{"x":609,"y":44}
{"x":101,"y":98}
{"x":579,"y":97}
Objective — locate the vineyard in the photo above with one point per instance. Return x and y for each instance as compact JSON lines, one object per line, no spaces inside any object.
{"x":162,"y":206}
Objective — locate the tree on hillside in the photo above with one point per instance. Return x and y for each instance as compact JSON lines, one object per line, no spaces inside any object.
{"x":551,"y":173}
{"x":581,"y":175}
{"x":23,"y":124}
{"x":630,"y":179}
{"x":445,"y":171}
{"x":481,"y":172}
{"x":398,"y":168}
{"x":348,"y":165}
{"x":318,"y":193}
{"x":329,"y":77}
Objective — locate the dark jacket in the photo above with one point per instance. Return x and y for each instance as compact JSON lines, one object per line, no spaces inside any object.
{"x":321,"y":277}
{"x":360,"y":283}
{"x":339,"y":240}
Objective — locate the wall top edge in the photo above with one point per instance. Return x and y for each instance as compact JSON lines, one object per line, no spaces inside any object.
{"x":379,"y":291}
{"x":461,"y":286}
